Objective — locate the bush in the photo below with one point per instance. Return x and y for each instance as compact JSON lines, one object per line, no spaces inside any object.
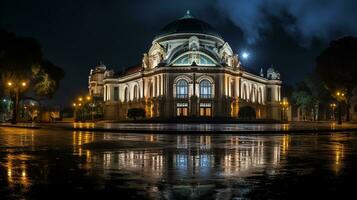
{"x":134,"y":113}
{"x":246,"y":112}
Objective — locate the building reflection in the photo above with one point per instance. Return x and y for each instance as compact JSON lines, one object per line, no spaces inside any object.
{"x":78,"y":139}
{"x":338,"y":150}
{"x":242,"y":155}
{"x":195,"y":155}
{"x":17,"y":170}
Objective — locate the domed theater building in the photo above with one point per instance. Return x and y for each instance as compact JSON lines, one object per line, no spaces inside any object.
{"x":189,"y":71}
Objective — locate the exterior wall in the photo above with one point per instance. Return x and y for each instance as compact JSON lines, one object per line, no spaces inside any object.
{"x":156,"y":93}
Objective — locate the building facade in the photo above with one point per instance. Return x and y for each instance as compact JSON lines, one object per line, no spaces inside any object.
{"x":188,"y":71}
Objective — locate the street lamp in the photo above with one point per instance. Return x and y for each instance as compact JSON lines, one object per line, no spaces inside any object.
{"x":284,"y":108}
{"x":333,"y":106}
{"x":340,"y":97}
{"x":16,"y":88}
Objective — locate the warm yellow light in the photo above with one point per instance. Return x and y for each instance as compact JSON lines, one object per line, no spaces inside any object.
{"x":88,"y":98}
{"x":9,"y":83}
{"x":80,"y":104}
{"x":23,"y":84}
{"x":80,"y":99}
{"x":338,"y":93}
{"x":74,"y":104}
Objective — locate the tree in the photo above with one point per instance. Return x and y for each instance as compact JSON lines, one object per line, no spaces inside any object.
{"x":46,"y":79}
{"x":337,"y":67}
{"x":17,"y":57}
{"x":22,"y":64}
{"x":310,"y":96}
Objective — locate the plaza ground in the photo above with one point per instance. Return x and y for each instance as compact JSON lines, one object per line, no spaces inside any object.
{"x":209,"y":128}
{"x":55,"y":163}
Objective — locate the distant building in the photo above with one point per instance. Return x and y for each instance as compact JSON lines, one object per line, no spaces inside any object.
{"x":188,"y":71}
{"x":95,"y":82}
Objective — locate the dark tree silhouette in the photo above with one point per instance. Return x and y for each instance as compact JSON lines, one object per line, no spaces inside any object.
{"x":22,"y":64}
{"x":337,"y":67}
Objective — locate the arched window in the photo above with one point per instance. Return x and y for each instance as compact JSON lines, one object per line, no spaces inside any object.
{"x":245,"y":92}
{"x":253,"y":95}
{"x":232,"y":89}
{"x":205,"y":89}
{"x":183,"y":60}
{"x":204,"y":60}
{"x":182,"y":89}
{"x":126,"y":95}
{"x":135,"y":92}
{"x":260,"y":96}
{"x":200,"y":59}
{"x":151,"y":90}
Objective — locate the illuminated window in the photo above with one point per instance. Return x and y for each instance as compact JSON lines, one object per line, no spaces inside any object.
{"x":182,"y":109}
{"x":205,"y":109}
{"x":204,"y":60}
{"x":183,"y":60}
{"x":188,"y":59}
{"x":205,"y":89}
{"x":182,"y":89}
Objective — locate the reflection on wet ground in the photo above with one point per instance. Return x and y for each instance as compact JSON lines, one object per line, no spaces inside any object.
{"x":40,"y":164}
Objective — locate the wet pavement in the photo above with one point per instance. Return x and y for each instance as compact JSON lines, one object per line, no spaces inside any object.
{"x":194,"y":127}
{"x":58,"y":164}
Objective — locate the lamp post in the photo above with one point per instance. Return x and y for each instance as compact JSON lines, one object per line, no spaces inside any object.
{"x":284,"y":108}
{"x":81,"y":103}
{"x":16,"y":88}
{"x":333,"y":106}
{"x":340,"y":97}
{"x":91,"y":105}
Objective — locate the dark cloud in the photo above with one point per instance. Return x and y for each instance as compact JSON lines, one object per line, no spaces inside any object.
{"x":76,"y":35}
{"x":307,"y":19}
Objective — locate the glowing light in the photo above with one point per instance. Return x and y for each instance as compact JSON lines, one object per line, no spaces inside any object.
{"x":23,"y":84}
{"x":88,"y":98}
{"x":80,"y":99}
{"x":245,"y":55}
{"x":9,"y":83}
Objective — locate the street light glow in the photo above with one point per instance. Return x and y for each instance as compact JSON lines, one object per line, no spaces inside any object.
{"x":9,"y":83}
{"x":23,"y":84}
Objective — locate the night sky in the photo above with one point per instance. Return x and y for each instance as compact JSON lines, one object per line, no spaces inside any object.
{"x":77,"y":34}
